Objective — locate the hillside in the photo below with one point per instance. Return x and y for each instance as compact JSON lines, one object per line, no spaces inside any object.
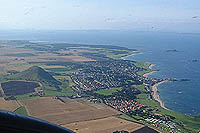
{"x":35,"y":73}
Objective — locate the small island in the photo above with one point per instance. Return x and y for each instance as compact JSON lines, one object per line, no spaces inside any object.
{"x":172,"y":50}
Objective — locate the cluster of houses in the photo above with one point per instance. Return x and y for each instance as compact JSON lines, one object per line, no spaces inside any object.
{"x":39,"y":93}
{"x":115,"y":73}
{"x":95,"y":100}
{"x":108,"y":74}
{"x":125,"y":106}
{"x":158,"y":122}
{"x":132,"y":107}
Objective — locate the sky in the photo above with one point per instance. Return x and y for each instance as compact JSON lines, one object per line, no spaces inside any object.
{"x":144,"y":15}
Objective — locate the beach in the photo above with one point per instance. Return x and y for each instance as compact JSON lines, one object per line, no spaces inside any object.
{"x":154,"y":87}
{"x":147,"y":74}
{"x":150,"y":66}
{"x":156,"y":95}
{"x":123,"y":58}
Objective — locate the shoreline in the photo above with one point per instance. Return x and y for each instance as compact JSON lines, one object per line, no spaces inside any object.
{"x":147,"y":74}
{"x":135,"y":53}
{"x":154,"y":87}
{"x":156,"y":95}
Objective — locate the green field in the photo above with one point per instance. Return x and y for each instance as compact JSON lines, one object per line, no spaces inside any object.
{"x":66,"y":87}
{"x":119,"y":56}
{"x":21,"y":110}
{"x":25,"y":96}
{"x":126,"y":117}
{"x":108,"y":92}
{"x":58,"y":69}
{"x":144,"y":65}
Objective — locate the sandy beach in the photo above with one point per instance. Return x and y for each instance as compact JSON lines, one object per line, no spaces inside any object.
{"x":130,"y":55}
{"x":154,"y":88}
{"x":151,"y":66}
{"x":156,"y":95}
{"x":147,"y":74}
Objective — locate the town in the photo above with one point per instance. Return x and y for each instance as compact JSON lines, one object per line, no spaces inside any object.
{"x":104,"y":75}
{"x":108,"y":74}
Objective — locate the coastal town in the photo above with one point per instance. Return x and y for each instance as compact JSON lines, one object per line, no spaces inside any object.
{"x":92,"y":75}
{"x":105,"y":75}
{"x":108,"y":74}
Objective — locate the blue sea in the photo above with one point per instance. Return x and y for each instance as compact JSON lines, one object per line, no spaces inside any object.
{"x":157,"y":48}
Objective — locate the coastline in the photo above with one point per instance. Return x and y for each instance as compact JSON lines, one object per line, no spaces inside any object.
{"x":154,"y":87}
{"x":147,"y":74}
{"x":156,"y":95}
{"x":135,"y":53}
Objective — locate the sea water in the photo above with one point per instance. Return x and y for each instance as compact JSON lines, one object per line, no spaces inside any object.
{"x":176,"y":55}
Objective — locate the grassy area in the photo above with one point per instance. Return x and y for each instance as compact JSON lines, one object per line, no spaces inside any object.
{"x":119,"y":56}
{"x":25,"y":96}
{"x":141,"y":88}
{"x":108,"y":92}
{"x":144,"y":65}
{"x":66,"y":87}
{"x":65,"y":79}
{"x":142,"y":96}
{"x":130,"y":82}
{"x":126,"y":117}
{"x":57,"y":69}
{"x":21,"y":110}
{"x":66,"y":91}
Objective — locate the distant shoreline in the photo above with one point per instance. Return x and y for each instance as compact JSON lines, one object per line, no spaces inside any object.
{"x":123,"y":57}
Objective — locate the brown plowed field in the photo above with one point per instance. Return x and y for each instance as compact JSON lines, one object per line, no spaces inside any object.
{"x":55,"y":111}
{"x":8,"y":105}
{"x":104,"y":125}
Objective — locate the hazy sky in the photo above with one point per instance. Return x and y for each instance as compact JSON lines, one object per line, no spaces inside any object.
{"x":163,"y":15}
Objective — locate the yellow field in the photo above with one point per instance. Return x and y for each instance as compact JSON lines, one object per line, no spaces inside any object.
{"x":55,"y":111}
{"x":104,"y":125}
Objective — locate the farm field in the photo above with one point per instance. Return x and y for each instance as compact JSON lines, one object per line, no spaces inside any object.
{"x":8,"y":105}
{"x":104,"y":125}
{"x":55,"y":111}
{"x":21,"y":110}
